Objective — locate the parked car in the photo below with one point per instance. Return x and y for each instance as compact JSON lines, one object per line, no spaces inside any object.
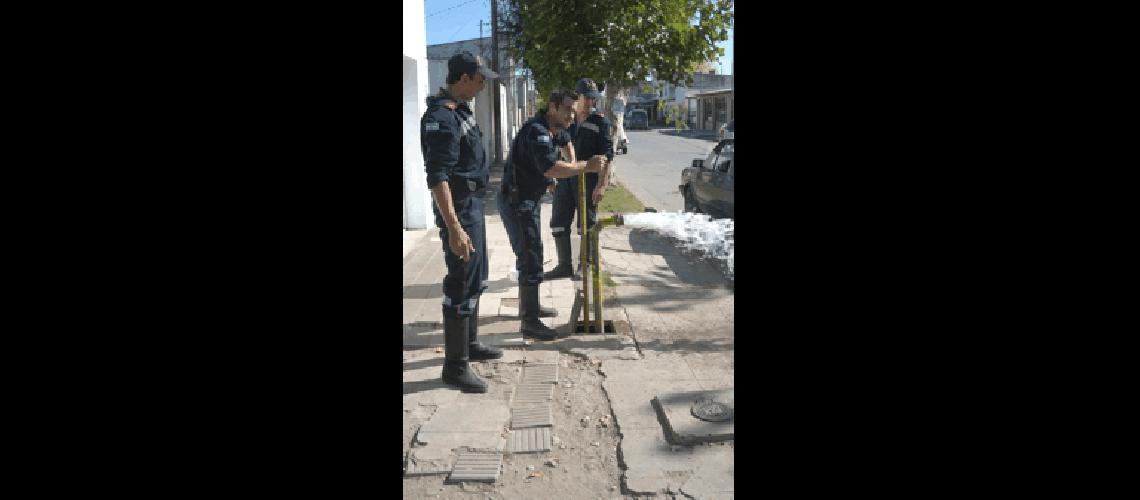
{"x":638,"y":119}
{"x":726,"y":131}
{"x":707,"y":185}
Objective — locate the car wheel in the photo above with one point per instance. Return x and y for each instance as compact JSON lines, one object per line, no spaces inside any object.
{"x":691,"y":201}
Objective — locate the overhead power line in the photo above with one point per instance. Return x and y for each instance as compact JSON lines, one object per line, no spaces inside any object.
{"x":450,"y":8}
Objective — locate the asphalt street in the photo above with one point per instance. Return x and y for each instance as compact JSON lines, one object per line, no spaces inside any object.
{"x":652,"y":169}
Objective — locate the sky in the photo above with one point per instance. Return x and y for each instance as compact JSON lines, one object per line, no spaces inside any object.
{"x":454,"y":20}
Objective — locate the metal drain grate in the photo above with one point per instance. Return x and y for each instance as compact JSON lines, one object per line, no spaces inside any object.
{"x":540,"y":373}
{"x":531,"y":416}
{"x":476,"y":467}
{"x":531,"y":440}
{"x":526,"y":394}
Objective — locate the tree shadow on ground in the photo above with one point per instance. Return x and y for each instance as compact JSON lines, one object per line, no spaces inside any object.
{"x":484,"y":319}
{"x":423,"y":291}
{"x":423,"y":363}
{"x":687,"y":269}
{"x":425,"y":385}
{"x":684,"y":283}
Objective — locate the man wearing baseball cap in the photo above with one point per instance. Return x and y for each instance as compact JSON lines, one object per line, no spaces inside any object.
{"x":457,"y":174}
{"x":591,"y":135}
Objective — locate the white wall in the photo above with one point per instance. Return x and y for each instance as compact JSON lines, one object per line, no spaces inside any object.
{"x":417,"y":198}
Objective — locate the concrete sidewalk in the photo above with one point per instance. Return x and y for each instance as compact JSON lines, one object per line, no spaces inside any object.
{"x":675,"y":320}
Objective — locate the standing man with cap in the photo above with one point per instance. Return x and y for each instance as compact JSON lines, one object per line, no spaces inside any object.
{"x":533,"y":161}
{"x":457,"y":174}
{"x":591,"y":134}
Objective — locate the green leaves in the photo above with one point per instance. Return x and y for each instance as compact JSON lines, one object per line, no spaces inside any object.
{"x":561,"y":41}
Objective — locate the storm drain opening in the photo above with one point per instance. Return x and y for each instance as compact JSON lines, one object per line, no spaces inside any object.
{"x":607,"y":325}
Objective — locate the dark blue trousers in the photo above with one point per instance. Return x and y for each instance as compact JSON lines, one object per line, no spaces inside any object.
{"x":523,"y":221}
{"x":566,"y":206}
{"x":465,"y":282}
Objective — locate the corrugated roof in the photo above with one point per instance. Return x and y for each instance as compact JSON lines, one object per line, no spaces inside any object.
{"x":710,"y":92}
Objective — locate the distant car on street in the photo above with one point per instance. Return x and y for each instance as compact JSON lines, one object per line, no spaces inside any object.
{"x":638,"y":119}
{"x":726,"y":131}
{"x":707,"y":185}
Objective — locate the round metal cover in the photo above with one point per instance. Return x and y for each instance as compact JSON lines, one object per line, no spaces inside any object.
{"x":712,"y":411}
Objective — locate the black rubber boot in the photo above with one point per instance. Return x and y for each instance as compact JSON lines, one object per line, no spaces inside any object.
{"x":564,"y":269}
{"x":456,"y":371}
{"x":528,"y":305}
{"x":543,"y":312}
{"x":475,"y":350}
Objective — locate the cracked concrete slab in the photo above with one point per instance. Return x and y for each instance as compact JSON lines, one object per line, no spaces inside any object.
{"x":466,"y":423}
{"x":473,"y":416}
{"x":716,"y":478}
{"x":653,"y":464}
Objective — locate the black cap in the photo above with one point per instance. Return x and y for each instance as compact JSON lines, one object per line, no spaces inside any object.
{"x":587,"y":87}
{"x":466,"y":62}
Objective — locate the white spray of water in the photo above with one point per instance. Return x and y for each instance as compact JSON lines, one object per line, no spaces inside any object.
{"x":711,"y":237}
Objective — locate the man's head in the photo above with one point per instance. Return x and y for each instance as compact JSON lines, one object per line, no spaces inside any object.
{"x":590,"y":94}
{"x":560,"y":108}
{"x":467,"y":75}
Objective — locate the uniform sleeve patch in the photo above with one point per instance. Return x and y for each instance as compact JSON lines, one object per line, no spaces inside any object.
{"x":431,"y":126}
{"x":544,"y":139}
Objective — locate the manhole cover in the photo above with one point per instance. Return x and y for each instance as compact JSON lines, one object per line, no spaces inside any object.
{"x":712,"y":411}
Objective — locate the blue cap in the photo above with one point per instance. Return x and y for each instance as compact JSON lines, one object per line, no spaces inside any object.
{"x":587,"y":87}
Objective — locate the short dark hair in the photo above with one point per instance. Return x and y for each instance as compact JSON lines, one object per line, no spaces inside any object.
{"x":454,"y":76}
{"x":557,"y":96}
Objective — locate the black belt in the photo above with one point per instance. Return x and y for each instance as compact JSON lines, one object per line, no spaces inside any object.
{"x":462,"y":188}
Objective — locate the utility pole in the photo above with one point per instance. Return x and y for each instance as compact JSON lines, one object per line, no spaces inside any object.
{"x":498,"y":128}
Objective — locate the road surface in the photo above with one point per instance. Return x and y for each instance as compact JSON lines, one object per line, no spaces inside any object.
{"x":652,"y":169}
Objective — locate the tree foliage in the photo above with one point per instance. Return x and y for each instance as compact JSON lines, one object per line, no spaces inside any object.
{"x":619,"y":42}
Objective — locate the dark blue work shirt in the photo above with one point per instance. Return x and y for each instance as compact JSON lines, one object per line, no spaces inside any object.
{"x":592,"y":137}
{"x":452,"y":145}
{"x":533,"y":153}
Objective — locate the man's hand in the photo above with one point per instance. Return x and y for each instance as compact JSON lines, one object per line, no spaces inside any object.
{"x":568,"y":153}
{"x":595,"y":163}
{"x":459,"y":242}
{"x":599,"y":193}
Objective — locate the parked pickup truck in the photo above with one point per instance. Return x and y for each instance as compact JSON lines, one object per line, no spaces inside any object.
{"x":707,"y":186}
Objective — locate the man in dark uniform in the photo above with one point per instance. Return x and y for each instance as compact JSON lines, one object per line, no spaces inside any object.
{"x":457,"y":173}
{"x":591,"y":134}
{"x":534,"y":159}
